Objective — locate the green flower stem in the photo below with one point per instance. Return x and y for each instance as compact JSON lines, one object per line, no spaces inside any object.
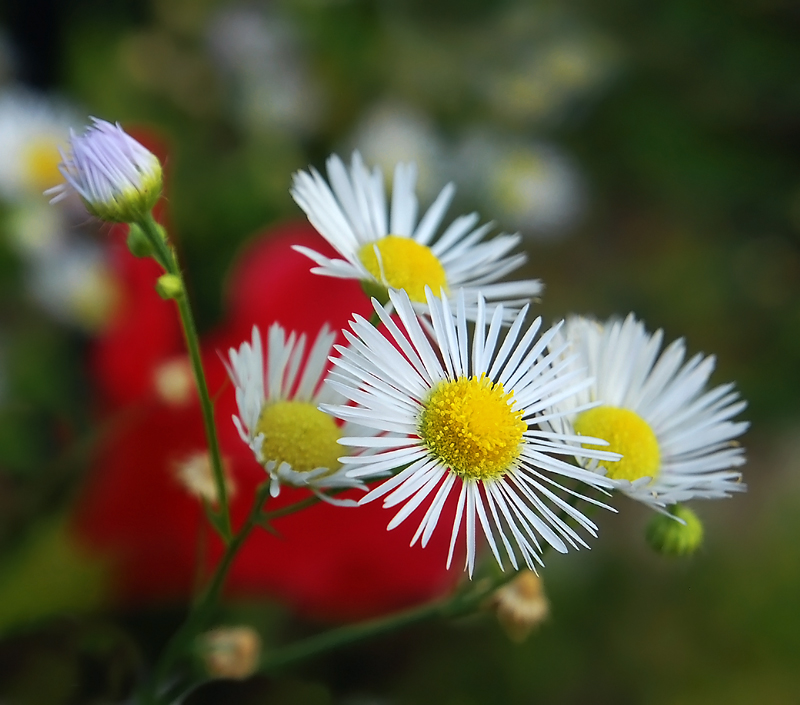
{"x":267,"y":517}
{"x":167,"y":259}
{"x":203,"y":607}
{"x":206,"y":404}
{"x":290,"y":509}
{"x":460,"y":604}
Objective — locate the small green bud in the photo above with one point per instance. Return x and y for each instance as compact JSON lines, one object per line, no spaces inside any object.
{"x":138,"y":242}
{"x":680,"y":533}
{"x":169,"y":286}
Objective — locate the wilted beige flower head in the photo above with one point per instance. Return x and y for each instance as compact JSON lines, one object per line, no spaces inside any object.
{"x":230,"y":652}
{"x":196,"y":474}
{"x":521,"y":605}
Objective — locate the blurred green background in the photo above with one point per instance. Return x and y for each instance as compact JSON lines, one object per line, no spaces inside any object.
{"x":648,"y":154}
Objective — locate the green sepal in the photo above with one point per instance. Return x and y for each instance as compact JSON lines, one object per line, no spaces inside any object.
{"x":138,"y":242}
{"x":375,"y":291}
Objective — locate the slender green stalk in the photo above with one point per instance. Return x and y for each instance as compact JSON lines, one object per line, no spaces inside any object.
{"x":202,"y":609}
{"x":166,"y":257}
{"x":335,"y":638}
{"x":267,"y":517}
{"x":290,"y":509}
{"x":460,"y":604}
{"x":192,"y":343}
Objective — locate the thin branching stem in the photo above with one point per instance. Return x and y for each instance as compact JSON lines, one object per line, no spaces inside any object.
{"x":165,"y":255}
{"x":203,"y":608}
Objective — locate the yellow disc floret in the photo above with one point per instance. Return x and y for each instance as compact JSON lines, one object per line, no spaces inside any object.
{"x":404,"y":264}
{"x":629,"y":435}
{"x":41,"y":159}
{"x":472,"y":426}
{"x":298,"y":433}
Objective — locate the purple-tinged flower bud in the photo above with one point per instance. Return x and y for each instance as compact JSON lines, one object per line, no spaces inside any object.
{"x":117,"y":178}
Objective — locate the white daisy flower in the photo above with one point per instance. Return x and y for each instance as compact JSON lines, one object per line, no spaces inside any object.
{"x":74,"y":283}
{"x":468,"y":421}
{"x":32,"y":125}
{"x":391,"y":132}
{"x":396,"y":252}
{"x":263,"y":62}
{"x":117,"y":178}
{"x":676,"y":438}
{"x":297,"y":444}
{"x":532,"y":186}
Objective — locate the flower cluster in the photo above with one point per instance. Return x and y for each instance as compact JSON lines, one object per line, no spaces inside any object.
{"x":440,"y":397}
{"x":495,"y":418}
{"x":138,"y":507}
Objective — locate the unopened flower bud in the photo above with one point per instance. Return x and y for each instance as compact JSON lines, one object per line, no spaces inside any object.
{"x":680,"y":533}
{"x":117,"y":178}
{"x":138,"y":243}
{"x":196,"y":475}
{"x":521,"y":605}
{"x":169,"y":286}
{"x":230,"y":652}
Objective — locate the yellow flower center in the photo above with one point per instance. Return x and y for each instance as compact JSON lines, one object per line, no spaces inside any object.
{"x":404,"y":264}
{"x":42,"y":159}
{"x":471,"y":424}
{"x":298,"y":433}
{"x":516,"y":182}
{"x":627,"y":434}
{"x":95,"y":300}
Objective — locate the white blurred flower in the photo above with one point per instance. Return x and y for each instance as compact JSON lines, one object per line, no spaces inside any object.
{"x":390,"y":133}
{"x":531,"y":186}
{"x":547,"y":80}
{"x":196,"y":475}
{"x":173,"y":380}
{"x":541,"y":64}
{"x":35,"y":229}
{"x":32,"y":126}
{"x":262,"y":59}
{"x":74,"y":284}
